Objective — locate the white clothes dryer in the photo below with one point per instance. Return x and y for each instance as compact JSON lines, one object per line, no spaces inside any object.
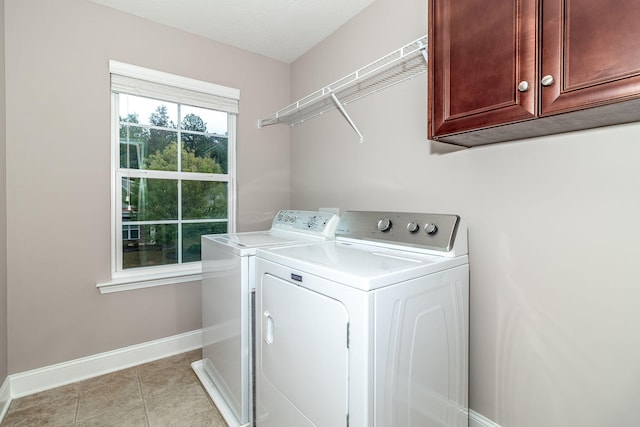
{"x":228,"y":276}
{"x":370,"y":329}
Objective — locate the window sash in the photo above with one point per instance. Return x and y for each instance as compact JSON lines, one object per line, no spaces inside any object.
{"x":120,"y":223}
{"x":175,"y":175}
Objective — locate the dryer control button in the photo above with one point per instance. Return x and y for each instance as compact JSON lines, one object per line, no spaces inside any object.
{"x":430,"y":228}
{"x":384,"y":224}
{"x":412,"y":227}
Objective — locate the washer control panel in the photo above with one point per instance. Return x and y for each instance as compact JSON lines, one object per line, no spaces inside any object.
{"x":420,"y":230}
{"x":322,"y":223}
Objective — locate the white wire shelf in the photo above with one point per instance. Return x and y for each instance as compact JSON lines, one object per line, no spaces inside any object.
{"x":402,"y":64}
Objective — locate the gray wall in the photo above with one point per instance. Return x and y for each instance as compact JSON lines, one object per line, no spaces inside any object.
{"x":3,"y":211}
{"x":555,"y":325}
{"x":58,"y":177}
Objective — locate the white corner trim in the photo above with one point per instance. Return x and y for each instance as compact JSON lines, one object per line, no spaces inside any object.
{"x":5,"y":398}
{"x":29,"y":382}
{"x":477,"y":420}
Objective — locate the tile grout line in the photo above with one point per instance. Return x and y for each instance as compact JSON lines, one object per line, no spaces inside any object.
{"x":75,"y":416}
{"x":144,"y":401}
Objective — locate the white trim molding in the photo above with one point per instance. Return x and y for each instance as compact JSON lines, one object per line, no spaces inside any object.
{"x":5,"y":398}
{"x":36,"y":380}
{"x":131,"y":283}
{"x":477,"y":420}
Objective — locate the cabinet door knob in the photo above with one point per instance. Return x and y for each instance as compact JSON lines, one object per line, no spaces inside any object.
{"x":547,"y":80}
{"x":523,"y":86}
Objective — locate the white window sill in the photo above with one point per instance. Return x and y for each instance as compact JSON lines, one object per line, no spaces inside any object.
{"x":148,"y":281}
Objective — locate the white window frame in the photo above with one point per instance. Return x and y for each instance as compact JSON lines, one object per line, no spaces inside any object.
{"x":143,"y":277}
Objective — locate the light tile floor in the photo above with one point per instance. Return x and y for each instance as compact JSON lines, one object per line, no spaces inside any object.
{"x":161,"y":393}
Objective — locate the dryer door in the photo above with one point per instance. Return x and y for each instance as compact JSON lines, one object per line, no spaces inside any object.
{"x":303,"y":362}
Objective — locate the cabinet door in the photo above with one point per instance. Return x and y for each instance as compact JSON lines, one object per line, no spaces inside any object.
{"x":591,"y":49}
{"x":479,"y":52}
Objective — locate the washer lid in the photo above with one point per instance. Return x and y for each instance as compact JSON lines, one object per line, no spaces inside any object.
{"x":246,"y":243}
{"x":361,"y":266}
{"x":288,"y":227}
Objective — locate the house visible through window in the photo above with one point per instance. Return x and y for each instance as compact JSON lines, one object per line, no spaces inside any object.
{"x":173,"y":168}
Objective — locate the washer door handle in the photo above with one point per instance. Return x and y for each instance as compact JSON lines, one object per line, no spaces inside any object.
{"x":267,"y":327}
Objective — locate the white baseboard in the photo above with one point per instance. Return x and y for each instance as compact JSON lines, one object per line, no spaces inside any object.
{"x":29,"y":382}
{"x":5,"y":398}
{"x":477,"y":420}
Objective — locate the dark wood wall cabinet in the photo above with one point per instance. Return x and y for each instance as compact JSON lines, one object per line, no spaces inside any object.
{"x":501,"y":70}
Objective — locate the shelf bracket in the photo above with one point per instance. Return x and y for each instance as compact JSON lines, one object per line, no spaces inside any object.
{"x":423,"y":50}
{"x":346,"y":115}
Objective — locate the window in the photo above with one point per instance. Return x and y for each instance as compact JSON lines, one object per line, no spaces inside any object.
{"x":173,"y":170}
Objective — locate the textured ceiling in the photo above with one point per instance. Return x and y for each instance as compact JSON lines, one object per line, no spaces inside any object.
{"x":280,"y":29}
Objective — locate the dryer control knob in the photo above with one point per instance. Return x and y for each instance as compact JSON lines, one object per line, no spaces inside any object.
{"x":384,"y":224}
{"x":412,"y":227}
{"x":430,"y":228}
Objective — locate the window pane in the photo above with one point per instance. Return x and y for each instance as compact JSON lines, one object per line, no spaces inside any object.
{"x":148,"y":148}
{"x":203,"y":120}
{"x":156,"y":245}
{"x":130,"y":232}
{"x":133,"y":141}
{"x":204,"y":154}
{"x":149,"y":199}
{"x":191,"y":234}
{"x":204,"y":200}
{"x":147,"y":111}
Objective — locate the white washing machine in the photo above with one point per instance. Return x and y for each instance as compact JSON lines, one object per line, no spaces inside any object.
{"x":370,"y":329}
{"x":228,"y":274}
